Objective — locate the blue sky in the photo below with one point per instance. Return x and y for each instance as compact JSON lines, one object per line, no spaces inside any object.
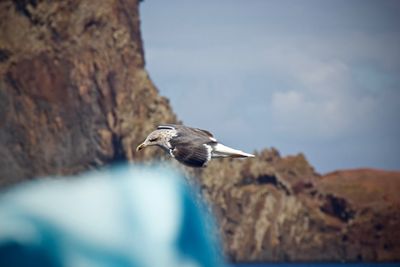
{"x":318,"y":77}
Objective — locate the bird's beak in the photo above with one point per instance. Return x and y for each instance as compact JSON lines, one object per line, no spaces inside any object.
{"x":141,"y":146}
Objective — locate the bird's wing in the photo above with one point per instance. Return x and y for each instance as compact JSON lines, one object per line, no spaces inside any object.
{"x":192,"y":155}
{"x":201,"y":131}
{"x":166,"y":126}
{"x":191,"y":147}
{"x":195,"y":132}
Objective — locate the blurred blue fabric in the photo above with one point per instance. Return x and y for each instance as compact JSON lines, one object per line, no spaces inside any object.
{"x":123,"y":216}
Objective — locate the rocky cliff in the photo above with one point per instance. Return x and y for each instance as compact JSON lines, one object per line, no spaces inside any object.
{"x":74,"y":95}
{"x":73,"y":89}
{"x":278,"y":209}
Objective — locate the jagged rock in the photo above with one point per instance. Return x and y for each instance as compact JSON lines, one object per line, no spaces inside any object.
{"x":74,"y":95}
{"x":369,"y":202}
{"x":278,"y":209}
{"x":73,"y":89}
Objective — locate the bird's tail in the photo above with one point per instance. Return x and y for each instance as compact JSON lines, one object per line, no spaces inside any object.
{"x":222,"y":151}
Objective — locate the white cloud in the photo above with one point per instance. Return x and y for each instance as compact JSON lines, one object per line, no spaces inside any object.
{"x":308,"y":116}
{"x":322,"y":97}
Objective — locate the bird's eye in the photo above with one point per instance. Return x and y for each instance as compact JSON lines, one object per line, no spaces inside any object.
{"x":153,"y":139}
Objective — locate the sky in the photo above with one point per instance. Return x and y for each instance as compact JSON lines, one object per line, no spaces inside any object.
{"x":317,"y":77}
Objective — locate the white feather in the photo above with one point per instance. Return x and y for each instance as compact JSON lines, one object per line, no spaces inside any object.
{"x":209,"y":151}
{"x":213,"y":139}
{"x":220,"y":150}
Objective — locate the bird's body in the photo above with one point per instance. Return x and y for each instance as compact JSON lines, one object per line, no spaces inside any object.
{"x":191,"y":146}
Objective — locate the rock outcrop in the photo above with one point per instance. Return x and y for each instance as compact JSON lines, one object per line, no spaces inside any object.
{"x":74,"y":95}
{"x":278,"y":209}
{"x":73,"y":90}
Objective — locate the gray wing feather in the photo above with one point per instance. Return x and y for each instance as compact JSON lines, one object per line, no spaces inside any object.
{"x":201,"y":131}
{"x":183,"y":128}
{"x":194,"y":133}
{"x":188,"y":145}
{"x":194,"y":156}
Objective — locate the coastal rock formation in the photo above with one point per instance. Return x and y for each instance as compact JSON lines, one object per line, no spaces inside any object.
{"x":74,"y":95}
{"x":367,"y":201}
{"x":278,"y":209}
{"x":73,"y":90}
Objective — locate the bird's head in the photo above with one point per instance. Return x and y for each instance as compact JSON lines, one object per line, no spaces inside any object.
{"x":155,"y":138}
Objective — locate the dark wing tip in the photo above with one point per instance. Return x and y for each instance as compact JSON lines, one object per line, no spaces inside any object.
{"x":166,"y":126}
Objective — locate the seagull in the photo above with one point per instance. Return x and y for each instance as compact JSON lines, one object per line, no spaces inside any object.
{"x":191,"y":146}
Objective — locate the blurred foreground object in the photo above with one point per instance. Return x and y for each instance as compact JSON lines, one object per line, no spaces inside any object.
{"x":125,"y":216}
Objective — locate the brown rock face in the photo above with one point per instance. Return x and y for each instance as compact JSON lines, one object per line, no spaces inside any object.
{"x":74,"y":95}
{"x":278,"y":209}
{"x":73,"y":89}
{"x":368,"y":201}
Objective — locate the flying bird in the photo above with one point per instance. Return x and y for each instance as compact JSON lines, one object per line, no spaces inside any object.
{"x":191,"y":146}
